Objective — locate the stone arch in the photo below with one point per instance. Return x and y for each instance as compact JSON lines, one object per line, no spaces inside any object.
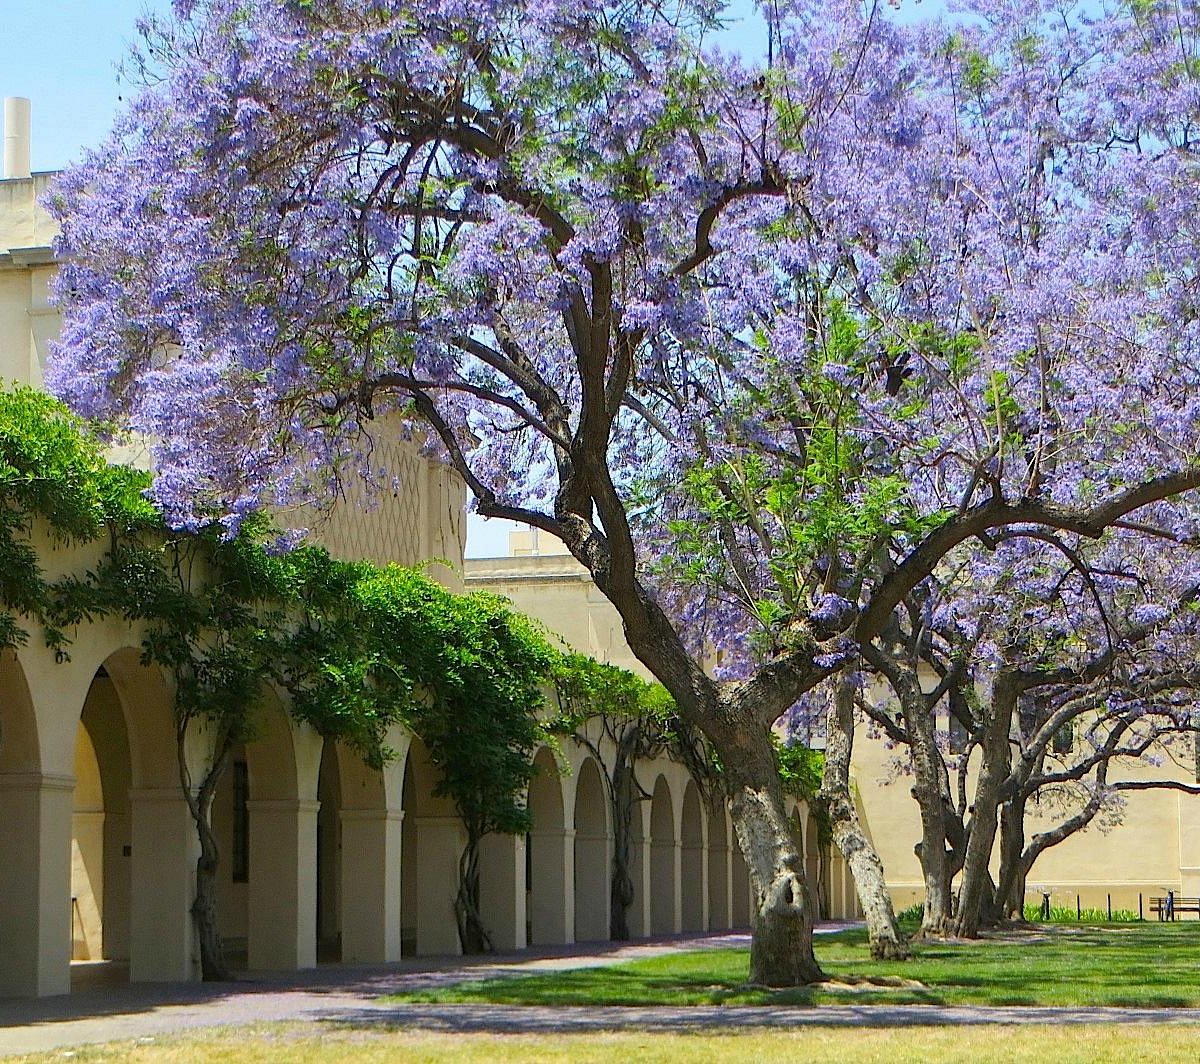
{"x":432,"y":841}
{"x":18,"y":724}
{"x":693,"y":868}
{"x":664,"y":852}
{"x":718,"y":867}
{"x":265,"y":814}
{"x":550,"y":857}
{"x":593,"y":887}
{"x":27,"y":956}
{"x":147,"y":707}
{"x":358,"y":856}
{"x":101,"y":827}
{"x":134,"y":858}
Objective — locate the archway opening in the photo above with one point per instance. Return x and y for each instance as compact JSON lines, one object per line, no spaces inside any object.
{"x":718,"y":868}
{"x":592,"y":845}
{"x":547,"y":849}
{"x":663,"y":885}
{"x":329,"y":857}
{"x":409,"y":912}
{"x":101,"y":837}
{"x":133,"y":843}
{"x":432,"y":841}
{"x":691,"y":861}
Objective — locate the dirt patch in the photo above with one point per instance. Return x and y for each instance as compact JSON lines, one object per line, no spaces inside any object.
{"x":865,"y":985}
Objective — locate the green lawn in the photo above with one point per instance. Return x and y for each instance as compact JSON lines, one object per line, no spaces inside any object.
{"x":1129,"y":965}
{"x":331,"y":1044}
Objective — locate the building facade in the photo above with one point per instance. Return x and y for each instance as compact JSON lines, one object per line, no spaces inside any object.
{"x":324,"y":858}
{"x":1153,"y":848}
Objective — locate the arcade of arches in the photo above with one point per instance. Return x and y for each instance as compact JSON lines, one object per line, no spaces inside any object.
{"x":322,"y":857}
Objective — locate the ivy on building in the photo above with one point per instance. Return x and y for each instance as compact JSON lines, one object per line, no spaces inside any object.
{"x":358,"y":647}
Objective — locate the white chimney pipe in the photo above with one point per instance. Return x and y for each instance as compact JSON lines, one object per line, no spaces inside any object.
{"x":17,"y":126}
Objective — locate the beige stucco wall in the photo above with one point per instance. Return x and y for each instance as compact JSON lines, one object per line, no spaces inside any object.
{"x":27,"y":321}
{"x":558,"y":591}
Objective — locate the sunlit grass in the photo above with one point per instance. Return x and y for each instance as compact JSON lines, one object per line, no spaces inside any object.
{"x":325,"y":1044}
{"x":1131,"y":965}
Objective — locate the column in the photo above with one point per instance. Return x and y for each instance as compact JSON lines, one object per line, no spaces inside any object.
{"x":720,"y":875}
{"x":35,"y":884}
{"x":553,"y":894}
{"x":440,"y":842}
{"x":370,"y":885}
{"x":677,"y":901}
{"x":639,"y":871}
{"x":693,"y":880}
{"x":164,"y":849}
{"x":282,"y":924}
{"x":593,"y":887}
{"x":502,"y":889}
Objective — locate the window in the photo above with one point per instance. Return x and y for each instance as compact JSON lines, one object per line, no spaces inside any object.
{"x":239,"y":859}
{"x":1032,"y":715}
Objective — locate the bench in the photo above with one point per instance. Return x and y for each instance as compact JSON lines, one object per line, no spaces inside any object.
{"x":1172,"y":905}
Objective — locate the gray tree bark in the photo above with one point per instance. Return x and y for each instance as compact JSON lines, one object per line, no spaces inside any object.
{"x":205,"y":908}
{"x":887,"y":943}
{"x":978,"y":890}
{"x":781,"y":951}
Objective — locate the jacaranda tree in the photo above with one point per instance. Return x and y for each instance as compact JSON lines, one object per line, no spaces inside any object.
{"x":760,"y":342}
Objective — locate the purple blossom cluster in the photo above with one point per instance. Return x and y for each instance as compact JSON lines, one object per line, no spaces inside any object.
{"x":799,"y":314}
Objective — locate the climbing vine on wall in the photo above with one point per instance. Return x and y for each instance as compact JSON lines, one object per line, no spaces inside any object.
{"x":359,"y":647}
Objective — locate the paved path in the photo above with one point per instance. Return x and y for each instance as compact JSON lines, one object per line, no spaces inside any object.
{"x":339,"y":995}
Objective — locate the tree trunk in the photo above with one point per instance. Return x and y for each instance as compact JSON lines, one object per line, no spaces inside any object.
{"x":887,"y":943}
{"x":622,"y":793}
{"x":977,"y":887}
{"x":928,"y":790}
{"x":781,"y":950}
{"x":205,"y":912}
{"x":1010,"y":889}
{"x":472,"y":935}
{"x":736,"y":717}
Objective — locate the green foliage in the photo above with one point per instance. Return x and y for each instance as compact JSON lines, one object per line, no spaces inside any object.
{"x":589,"y":688}
{"x":52,"y":471}
{"x":1066,"y":914}
{"x":359,"y":647}
{"x":816,"y":499}
{"x":379,"y":646}
{"x":800,"y":770}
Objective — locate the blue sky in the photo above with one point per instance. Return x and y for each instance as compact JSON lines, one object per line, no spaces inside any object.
{"x":63,"y":55}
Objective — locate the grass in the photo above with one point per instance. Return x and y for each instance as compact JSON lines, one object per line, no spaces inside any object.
{"x":1141,"y":965}
{"x":301,"y":1044}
